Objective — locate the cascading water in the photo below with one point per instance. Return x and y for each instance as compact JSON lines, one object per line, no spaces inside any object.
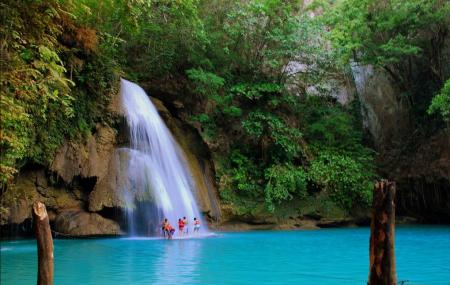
{"x":157,"y":170}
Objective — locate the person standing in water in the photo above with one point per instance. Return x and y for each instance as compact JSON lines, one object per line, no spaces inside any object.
{"x":196,"y":225}
{"x":181,"y":226}
{"x":170,"y":230}
{"x":186,"y":227}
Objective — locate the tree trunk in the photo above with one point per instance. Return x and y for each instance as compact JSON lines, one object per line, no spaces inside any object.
{"x":382,"y":253}
{"x":44,"y":244}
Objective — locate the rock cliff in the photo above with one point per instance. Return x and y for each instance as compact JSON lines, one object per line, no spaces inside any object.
{"x":420,"y":164}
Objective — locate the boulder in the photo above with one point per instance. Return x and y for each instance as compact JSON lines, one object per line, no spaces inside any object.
{"x":80,"y":223}
{"x":19,"y":212}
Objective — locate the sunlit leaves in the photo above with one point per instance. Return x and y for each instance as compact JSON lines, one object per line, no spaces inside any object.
{"x":283,"y":182}
{"x":383,"y":32}
{"x":35,"y":93}
{"x":347,"y":181}
{"x":441,"y":102}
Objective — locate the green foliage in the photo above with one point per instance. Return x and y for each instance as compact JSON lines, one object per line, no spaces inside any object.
{"x":255,"y":91}
{"x":250,"y":46}
{"x":41,"y":106}
{"x":206,"y":83}
{"x":233,"y":62}
{"x":272,"y":129}
{"x":331,"y":126}
{"x":283,"y":182}
{"x":404,"y":38}
{"x":209,"y":128}
{"x":35,"y":94}
{"x":383,"y":32}
{"x":148,"y":38}
{"x":441,"y":102}
{"x":346,"y":180}
{"x":343,"y":167}
{"x":244,"y":173}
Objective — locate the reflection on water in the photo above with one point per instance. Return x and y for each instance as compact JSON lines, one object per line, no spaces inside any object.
{"x":178,"y":263}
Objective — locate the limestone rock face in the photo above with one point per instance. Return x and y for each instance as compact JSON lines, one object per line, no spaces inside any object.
{"x":65,"y":205}
{"x":81,"y":223}
{"x":109,"y":190}
{"x":19,"y":212}
{"x":385,"y":117}
{"x":420,"y":165}
{"x":32,"y":186}
{"x":88,"y":160}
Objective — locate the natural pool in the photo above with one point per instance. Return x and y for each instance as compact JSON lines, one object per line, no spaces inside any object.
{"x":327,"y":256}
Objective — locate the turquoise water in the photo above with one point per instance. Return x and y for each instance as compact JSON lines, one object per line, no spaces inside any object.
{"x":327,"y":256}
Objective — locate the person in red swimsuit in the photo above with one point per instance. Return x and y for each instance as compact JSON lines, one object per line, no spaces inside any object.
{"x":180,"y":226}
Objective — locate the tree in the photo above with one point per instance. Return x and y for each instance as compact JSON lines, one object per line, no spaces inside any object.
{"x":391,"y":34}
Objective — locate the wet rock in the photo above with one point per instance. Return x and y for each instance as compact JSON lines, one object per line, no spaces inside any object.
{"x":109,"y":191}
{"x":335,"y":223}
{"x":81,"y":223}
{"x":19,"y":212}
{"x":85,"y":160}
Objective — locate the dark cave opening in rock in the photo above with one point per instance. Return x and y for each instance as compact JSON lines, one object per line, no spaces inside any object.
{"x":426,"y":200}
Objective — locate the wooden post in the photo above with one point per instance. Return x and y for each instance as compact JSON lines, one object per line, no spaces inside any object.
{"x":382,"y":253}
{"x":44,"y":244}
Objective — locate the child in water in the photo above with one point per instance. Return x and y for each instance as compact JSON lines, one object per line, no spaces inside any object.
{"x":196,"y":225}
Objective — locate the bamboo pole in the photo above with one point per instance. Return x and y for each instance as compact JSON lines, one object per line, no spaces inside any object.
{"x":382,"y":252}
{"x":44,"y":244}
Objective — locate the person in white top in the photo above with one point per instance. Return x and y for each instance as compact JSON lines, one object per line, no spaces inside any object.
{"x":196,"y":225}
{"x":186,"y":227}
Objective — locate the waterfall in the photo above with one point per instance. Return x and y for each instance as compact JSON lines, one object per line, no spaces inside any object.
{"x":160,"y":181}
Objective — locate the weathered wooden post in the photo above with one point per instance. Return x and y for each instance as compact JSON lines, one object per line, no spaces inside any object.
{"x":382,"y":252}
{"x":44,"y":244}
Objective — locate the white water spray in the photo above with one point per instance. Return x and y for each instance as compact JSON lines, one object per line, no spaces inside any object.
{"x":157,"y":167}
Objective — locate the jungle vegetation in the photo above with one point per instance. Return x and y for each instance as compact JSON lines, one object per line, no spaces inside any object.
{"x":263,"y":75}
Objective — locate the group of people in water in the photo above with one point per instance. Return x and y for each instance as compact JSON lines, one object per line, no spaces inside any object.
{"x":183,"y":227}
